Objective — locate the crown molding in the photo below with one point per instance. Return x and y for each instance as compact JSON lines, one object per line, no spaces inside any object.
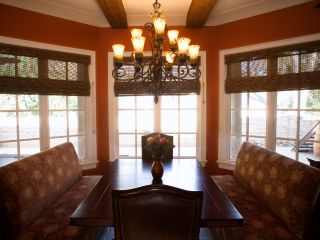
{"x":61,"y":11}
{"x":96,"y":18}
{"x":249,"y":10}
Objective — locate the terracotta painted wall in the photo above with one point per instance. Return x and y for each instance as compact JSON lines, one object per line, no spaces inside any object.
{"x":291,"y":22}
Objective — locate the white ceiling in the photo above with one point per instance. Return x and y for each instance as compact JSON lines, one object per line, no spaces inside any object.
{"x":88,"y":11}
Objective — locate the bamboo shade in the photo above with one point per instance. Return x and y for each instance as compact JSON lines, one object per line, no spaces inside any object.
{"x":26,"y":70}
{"x":285,"y":68}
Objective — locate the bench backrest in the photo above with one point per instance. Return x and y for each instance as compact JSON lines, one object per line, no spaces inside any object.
{"x":290,"y":189}
{"x":28,"y":186}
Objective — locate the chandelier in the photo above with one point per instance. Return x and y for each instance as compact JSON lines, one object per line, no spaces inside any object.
{"x":175,"y":71}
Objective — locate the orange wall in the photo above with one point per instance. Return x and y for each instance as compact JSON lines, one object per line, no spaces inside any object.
{"x":291,"y":22}
{"x":18,"y":23}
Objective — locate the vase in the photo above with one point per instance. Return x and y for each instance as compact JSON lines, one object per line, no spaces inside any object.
{"x":157,"y":168}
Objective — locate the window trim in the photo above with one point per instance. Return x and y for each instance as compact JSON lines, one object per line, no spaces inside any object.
{"x":90,"y":160}
{"x":113,"y":118}
{"x":224,"y":99}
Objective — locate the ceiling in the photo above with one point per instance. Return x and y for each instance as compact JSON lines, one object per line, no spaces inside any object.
{"x":89,"y":12}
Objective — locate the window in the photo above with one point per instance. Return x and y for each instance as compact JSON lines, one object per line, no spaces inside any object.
{"x":138,"y":116}
{"x":298,"y":118}
{"x":19,"y":127}
{"x":135,"y":116}
{"x":248,"y":120}
{"x":66,"y":122}
{"x":181,"y":116}
{"x":30,"y":123}
{"x":292,"y":122}
{"x":22,"y":115}
{"x":283,"y":121}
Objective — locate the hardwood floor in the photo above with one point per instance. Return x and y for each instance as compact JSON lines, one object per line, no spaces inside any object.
{"x":204,"y":234}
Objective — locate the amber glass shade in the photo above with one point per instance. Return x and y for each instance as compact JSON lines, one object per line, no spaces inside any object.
{"x":118,"y":50}
{"x":136,"y":32}
{"x":183,"y":44}
{"x":138,"y":44}
{"x":159,"y":25}
{"x":193,"y":52}
{"x":173,"y":36}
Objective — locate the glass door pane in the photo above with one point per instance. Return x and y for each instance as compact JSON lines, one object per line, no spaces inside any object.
{"x":175,"y":116}
{"x":135,"y":118}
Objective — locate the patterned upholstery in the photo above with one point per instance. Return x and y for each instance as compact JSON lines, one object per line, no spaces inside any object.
{"x":259,"y":222}
{"x":53,"y":222}
{"x":288,"y":188}
{"x":30,"y":185}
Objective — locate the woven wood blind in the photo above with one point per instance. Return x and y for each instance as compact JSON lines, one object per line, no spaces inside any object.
{"x":26,"y":70}
{"x":124,"y":87}
{"x":275,"y":69}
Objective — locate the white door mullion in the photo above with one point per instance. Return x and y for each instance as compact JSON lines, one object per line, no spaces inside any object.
{"x":157,"y":116}
{"x":135,"y":126}
{"x":18,"y":129}
{"x":67,"y":118}
{"x":298,"y":126}
{"x":247,"y":117}
{"x":200,"y":102}
{"x":44,"y":122}
{"x":179,"y":132}
{"x":271,"y":120}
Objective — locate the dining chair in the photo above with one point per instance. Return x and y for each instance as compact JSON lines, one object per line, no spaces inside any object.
{"x":157,"y":212}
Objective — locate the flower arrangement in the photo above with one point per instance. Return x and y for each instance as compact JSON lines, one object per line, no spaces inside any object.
{"x":158,"y":146}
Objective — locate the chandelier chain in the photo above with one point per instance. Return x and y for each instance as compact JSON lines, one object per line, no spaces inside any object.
{"x":156,"y":6}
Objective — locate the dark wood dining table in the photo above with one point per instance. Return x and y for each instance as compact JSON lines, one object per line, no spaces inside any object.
{"x":96,"y":208}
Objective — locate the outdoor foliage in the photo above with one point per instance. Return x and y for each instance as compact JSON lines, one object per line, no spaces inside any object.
{"x":313,"y":100}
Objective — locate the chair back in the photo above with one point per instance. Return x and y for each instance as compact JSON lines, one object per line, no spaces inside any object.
{"x":157,"y":212}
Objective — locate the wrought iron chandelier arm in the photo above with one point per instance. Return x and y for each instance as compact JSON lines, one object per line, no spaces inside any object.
{"x":182,"y":71}
{"x":145,"y":74}
{"x":156,"y":75}
{"x":149,"y":27}
{"x":185,"y":72}
{"x":119,"y":73}
{"x":195,"y":73}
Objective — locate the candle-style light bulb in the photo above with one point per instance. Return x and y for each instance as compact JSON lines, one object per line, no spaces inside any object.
{"x":193,"y":52}
{"x":173,"y":36}
{"x":183,"y":44}
{"x":136,"y":32}
{"x":138,"y":44}
{"x":118,"y":50}
{"x":159,"y":25}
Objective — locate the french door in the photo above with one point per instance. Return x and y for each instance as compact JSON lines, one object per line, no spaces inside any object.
{"x":173,"y":115}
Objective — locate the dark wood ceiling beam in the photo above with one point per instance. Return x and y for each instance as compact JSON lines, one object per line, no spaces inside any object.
{"x":114,"y":12}
{"x":198,"y":12}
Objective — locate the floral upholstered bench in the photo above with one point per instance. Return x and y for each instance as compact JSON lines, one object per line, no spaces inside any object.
{"x":39,"y":193}
{"x":278,"y":197}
